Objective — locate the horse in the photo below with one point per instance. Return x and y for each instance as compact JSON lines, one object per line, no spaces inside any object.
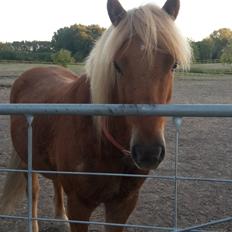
{"x":133,"y":62}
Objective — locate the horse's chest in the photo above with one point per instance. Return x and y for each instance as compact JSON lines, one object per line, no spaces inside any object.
{"x":103,"y":189}
{"x":99,"y":188}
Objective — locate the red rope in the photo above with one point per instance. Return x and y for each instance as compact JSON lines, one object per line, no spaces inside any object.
{"x":111,"y":139}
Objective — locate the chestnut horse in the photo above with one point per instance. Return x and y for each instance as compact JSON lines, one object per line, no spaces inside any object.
{"x":132,"y":63}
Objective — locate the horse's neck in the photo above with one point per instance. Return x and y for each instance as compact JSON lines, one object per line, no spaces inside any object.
{"x":77,"y":92}
{"x":118,"y":127}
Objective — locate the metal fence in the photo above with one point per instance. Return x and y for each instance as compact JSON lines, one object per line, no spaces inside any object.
{"x":175,"y":111}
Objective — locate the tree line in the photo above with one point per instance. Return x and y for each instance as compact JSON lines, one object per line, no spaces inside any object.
{"x":26,"y":51}
{"x":73,"y":44}
{"x":70,"y":43}
{"x":216,"y":47}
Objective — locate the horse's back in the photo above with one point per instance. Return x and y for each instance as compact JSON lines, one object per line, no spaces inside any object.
{"x":41,"y":85}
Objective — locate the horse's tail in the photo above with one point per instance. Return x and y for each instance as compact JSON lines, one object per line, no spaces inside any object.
{"x":15,"y":186}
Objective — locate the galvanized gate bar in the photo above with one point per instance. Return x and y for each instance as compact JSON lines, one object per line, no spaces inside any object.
{"x":168,"y":178}
{"x":146,"y":227}
{"x":29,"y":171}
{"x":177,"y":122}
{"x":177,"y":111}
{"x":220,"y":110}
{"x":189,"y":229}
{"x":212,"y":223}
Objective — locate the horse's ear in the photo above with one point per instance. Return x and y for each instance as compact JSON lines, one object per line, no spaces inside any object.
{"x":116,"y":11}
{"x":172,"y":7}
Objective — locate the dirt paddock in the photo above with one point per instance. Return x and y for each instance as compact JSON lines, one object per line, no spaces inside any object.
{"x":205,"y":151}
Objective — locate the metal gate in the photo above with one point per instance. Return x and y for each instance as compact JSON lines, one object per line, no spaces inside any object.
{"x":175,"y":111}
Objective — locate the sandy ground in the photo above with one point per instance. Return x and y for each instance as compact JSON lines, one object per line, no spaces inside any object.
{"x":205,"y":151}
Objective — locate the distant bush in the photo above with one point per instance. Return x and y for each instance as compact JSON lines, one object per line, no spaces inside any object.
{"x":63,"y":57}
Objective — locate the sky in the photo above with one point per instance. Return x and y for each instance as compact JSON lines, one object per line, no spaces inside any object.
{"x":39,"y":19}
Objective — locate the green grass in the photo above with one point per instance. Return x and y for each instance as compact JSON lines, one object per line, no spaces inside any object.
{"x":78,"y":68}
{"x":15,"y":69}
{"x":213,"y":68}
{"x":201,"y":76}
{"x":216,"y":69}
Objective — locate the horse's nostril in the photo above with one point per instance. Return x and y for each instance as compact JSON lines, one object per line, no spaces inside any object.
{"x":152,"y":155}
{"x":157,"y":153}
{"x":161,"y":151}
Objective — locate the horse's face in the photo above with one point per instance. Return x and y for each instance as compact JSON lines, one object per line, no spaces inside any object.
{"x":143,"y":82}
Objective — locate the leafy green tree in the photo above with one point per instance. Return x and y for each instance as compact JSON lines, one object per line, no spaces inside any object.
{"x":6,"y":52}
{"x":211,"y":48}
{"x":220,"y":40}
{"x":204,"y":49}
{"x":226,"y":56}
{"x":63,"y":57}
{"x":79,"y":39}
{"x":195,"y":49}
{"x":32,"y":46}
{"x":63,"y":38}
{"x":5,"y":46}
{"x":26,"y":51}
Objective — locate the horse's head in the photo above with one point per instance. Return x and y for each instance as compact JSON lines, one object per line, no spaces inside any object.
{"x":135,"y":64}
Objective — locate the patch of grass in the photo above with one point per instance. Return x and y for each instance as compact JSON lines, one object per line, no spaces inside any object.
{"x":201,"y":76}
{"x":77,"y":68}
{"x":216,"y":69}
{"x":15,"y":69}
{"x":213,"y":68}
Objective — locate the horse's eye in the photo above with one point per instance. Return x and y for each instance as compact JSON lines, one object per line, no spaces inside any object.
{"x":174,"y":66}
{"x":117,"y":67}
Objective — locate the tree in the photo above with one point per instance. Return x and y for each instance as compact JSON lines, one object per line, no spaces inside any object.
{"x":220,"y":40}
{"x":63,"y":57}
{"x":6,"y":52}
{"x":78,"y":39}
{"x":32,"y":46}
{"x":205,"y":49}
{"x":211,"y":48}
{"x":226,"y":56}
{"x":195,"y":49}
{"x":26,"y":51}
{"x":5,"y":46}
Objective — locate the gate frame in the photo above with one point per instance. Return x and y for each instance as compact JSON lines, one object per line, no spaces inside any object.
{"x":177,"y":111}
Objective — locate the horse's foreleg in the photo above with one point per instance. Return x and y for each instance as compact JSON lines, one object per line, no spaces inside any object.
{"x":118,"y":211}
{"x":35,"y":201}
{"x":77,"y":210}
{"x":60,"y":212}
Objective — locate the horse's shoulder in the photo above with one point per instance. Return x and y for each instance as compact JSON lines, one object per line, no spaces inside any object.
{"x":79,"y":90}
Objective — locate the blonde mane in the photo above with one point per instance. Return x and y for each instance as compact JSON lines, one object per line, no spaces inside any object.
{"x":153,"y":26}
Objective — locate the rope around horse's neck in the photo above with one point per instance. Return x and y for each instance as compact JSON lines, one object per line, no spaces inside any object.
{"x":111,"y":139}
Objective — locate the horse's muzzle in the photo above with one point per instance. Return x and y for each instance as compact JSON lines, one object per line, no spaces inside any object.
{"x":148,"y":157}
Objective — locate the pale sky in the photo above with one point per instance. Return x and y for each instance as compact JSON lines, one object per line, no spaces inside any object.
{"x":39,"y":19}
